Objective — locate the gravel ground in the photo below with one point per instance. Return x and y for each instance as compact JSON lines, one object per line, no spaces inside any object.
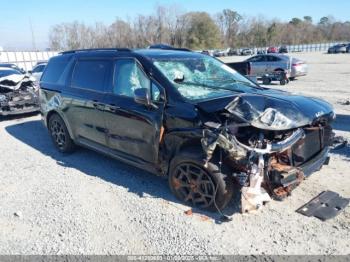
{"x":86,"y":203}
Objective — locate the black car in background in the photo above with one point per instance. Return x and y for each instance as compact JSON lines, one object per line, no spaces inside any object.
{"x":336,"y":49}
{"x":187,"y":116}
{"x":283,"y":50}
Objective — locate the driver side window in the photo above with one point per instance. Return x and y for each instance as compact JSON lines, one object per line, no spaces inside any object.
{"x":128,"y":77}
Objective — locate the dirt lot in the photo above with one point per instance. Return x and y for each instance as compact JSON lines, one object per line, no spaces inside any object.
{"x":86,"y":203}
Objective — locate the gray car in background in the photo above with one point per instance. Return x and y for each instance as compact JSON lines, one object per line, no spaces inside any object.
{"x":270,"y":63}
{"x":38,"y":70}
{"x":337,"y":49}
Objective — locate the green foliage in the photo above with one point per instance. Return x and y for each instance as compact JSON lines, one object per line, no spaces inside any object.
{"x":324,"y":20}
{"x":296,"y":21}
{"x":202,"y":31}
{"x":308,"y":19}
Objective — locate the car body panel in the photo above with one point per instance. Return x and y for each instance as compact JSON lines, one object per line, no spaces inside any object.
{"x":149,"y":136}
{"x":132,"y":128}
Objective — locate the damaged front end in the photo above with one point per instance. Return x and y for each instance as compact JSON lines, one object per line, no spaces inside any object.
{"x":269,"y":149}
{"x":18,"y":95}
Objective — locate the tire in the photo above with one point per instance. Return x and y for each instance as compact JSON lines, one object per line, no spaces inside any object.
{"x":60,"y":135}
{"x":283,"y":82}
{"x":203,"y":187}
{"x":266,"y":80}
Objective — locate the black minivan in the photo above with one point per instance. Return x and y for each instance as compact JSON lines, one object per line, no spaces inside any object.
{"x":187,"y":116}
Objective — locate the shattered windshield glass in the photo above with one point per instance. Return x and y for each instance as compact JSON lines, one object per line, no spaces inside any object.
{"x":203,"y":77}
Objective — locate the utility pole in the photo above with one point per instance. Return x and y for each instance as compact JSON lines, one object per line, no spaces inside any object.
{"x":33,"y":37}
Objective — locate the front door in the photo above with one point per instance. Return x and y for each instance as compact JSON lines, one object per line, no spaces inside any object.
{"x":133,"y":130}
{"x":258,"y":65}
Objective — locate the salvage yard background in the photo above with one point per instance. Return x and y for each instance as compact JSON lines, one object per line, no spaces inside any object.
{"x":85,"y":203}
{"x":25,"y":60}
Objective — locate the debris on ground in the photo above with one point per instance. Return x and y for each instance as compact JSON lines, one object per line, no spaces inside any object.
{"x":326,"y":205}
{"x":339,"y":142}
{"x":189,"y":212}
{"x":18,"y":214}
{"x":345,"y":102}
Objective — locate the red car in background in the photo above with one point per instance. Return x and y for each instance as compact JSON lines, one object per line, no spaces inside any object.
{"x":272,"y":49}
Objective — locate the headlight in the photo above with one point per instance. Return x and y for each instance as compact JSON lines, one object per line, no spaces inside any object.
{"x":275,"y":119}
{"x":3,"y":98}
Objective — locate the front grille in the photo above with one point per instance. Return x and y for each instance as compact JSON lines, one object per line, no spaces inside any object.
{"x":316,"y":138}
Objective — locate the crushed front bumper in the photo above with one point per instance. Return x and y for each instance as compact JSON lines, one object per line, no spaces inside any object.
{"x":315,"y":163}
{"x":17,"y":111}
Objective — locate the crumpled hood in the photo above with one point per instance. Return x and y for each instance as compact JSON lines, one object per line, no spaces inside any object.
{"x":272,"y":109}
{"x":15,"y":82}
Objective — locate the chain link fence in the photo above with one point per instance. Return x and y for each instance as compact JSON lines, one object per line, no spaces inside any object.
{"x":27,"y":60}
{"x":318,"y":47}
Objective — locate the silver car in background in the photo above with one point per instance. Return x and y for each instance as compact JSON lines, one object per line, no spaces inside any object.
{"x":37,"y":71}
{"x":271,"y":63}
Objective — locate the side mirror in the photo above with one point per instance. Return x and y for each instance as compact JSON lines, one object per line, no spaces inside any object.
{"x":143,"y":96}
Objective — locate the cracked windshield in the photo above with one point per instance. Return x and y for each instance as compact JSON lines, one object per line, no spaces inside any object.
{"x":198,"y":78}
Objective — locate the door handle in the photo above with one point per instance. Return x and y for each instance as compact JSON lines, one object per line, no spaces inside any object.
{"x":98,"y":105}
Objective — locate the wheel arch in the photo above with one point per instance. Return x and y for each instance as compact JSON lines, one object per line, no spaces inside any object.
{"x":56,"y":112}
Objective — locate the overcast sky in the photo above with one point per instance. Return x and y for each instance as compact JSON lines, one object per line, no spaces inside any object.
{"x":15,"y":30}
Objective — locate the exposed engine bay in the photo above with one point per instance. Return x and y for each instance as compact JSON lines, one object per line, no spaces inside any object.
{"x":270,"y":153}
{"x":18,"y":94}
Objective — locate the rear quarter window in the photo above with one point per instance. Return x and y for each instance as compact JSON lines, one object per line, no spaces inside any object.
{"x":54,"y":71}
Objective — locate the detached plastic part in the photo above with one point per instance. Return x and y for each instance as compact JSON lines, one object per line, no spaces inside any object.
{"x":326,"y":205}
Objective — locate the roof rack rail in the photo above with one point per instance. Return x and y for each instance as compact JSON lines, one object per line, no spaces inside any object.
{"x":96,"y":49}
{"x":168,"y":47}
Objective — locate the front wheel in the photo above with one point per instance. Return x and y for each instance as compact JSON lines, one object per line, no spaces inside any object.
{"x":200,"y":186}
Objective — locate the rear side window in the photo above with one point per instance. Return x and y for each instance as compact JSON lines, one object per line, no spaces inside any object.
{"x":256,"y":59}
{"x":54,"y":70}
{"x":273,"y":59}
{"x":91,"y":74}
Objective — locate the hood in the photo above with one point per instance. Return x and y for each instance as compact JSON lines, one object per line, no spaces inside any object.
{"x":14,"y":82}
{"x":272,"y":109}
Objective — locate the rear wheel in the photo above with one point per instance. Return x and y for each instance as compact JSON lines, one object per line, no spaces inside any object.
{"x":199,"y":186}
{"x":60,"y":135}
{"x":266,"y":80}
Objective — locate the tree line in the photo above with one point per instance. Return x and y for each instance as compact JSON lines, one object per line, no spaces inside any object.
{"x":197,"y":30}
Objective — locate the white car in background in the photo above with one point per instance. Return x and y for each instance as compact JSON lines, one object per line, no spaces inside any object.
{"x":37,"y":71}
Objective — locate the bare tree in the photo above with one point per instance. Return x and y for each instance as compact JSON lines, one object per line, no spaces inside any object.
{"x":198,"y":30}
